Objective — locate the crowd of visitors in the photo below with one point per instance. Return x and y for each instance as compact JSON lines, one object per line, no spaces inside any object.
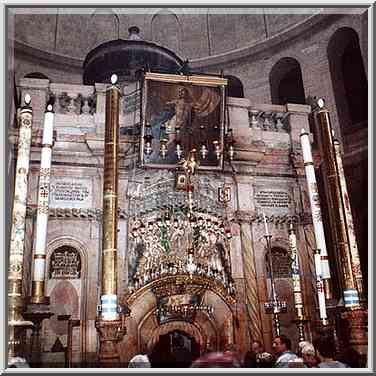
{"x":319,"y":354}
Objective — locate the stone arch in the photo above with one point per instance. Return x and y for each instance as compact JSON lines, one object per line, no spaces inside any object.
{"x":166,"y":30}
{"x":67,"y":241}
{"x":80,"y":247}
{"x":278,"y":245}
{"x":349,"y":79}
{"x":282,"y":283}
{"x":191,"y":329}
{"x":234,"y":87}
{"x":350,"y":89}
{"x":286,"y":82}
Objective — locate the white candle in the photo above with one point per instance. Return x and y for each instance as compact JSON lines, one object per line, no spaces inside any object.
{"x":266,"y":225}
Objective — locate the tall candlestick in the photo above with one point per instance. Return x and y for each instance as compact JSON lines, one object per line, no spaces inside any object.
{"x":38,"y":286}
{"x":355,"y":260}
{"x":297,"y":290}
{"x":110,"y":325}
{"x":314,"y":200}
{"x":16,"y":252}
{"x":337,"y":214}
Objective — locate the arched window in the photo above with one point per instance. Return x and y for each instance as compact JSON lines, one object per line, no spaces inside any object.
{"x":234,"y":87}
{"x":281,"y":262}
{"x":65,"y":263}
{"x":286,"y":83}
{"x":166,"y":30}
{"x":348,"y":79}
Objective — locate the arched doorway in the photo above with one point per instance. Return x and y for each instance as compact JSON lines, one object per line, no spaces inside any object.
{"x":175,"y":349}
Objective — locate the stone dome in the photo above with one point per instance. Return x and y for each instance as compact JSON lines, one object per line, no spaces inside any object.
{"x":191,"y":33}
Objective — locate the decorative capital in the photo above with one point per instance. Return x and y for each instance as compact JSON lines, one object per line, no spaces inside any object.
{"x":113,"y":331}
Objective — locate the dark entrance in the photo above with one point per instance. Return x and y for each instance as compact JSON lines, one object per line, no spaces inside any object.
{"x":175,"y":349}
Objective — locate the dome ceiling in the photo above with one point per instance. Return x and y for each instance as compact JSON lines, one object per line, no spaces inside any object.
{"x":191,"y":33}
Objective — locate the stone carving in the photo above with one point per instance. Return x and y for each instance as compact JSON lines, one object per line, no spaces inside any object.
{"x":88,"y":104}
{"x":76,"y":103}
{"x":268,"y":121}
{"x":76,"y":213}
{"x":71,"y":193}
{"x":65,"y":263}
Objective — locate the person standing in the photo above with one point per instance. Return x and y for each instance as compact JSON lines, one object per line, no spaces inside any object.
{"x":325,"y":353}
{"x":282,"y":349}
{"x":250,"y":356}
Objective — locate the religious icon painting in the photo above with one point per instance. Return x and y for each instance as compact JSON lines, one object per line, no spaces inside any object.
{"x":181,"y":114}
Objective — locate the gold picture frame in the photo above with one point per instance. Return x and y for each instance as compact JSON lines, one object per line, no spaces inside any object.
{"x":182,"y":113}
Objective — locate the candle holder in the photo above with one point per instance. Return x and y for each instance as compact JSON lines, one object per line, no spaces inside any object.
{"x":273,"y":306}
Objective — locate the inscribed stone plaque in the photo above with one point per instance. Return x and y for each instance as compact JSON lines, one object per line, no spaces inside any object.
{"x":273,"y":200}
{"x":71,"y":193}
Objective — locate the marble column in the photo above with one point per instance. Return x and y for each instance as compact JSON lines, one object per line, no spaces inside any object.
{"x":252,"y":301}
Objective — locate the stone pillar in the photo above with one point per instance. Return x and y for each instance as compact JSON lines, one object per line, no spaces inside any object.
{"x":109,"y":324}
{"x":298,"y":119}
{"x":16,"y":322}
{"x":249,"y":267}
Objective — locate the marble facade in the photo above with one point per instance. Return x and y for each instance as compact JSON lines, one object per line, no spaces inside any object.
{"x":264,"y":182}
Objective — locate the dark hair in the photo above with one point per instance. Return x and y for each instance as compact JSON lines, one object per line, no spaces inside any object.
{"x":325,"y":345}
{"x":286,"y":340}
{"x":264,"y":360}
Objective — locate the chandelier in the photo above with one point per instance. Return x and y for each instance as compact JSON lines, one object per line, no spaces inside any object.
{"x":181,"y":236}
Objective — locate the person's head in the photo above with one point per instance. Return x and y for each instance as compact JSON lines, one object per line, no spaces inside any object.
{"x":301,"y":344}
{"x":264,"y":360}
{"x":139,"y":361}
{"x":309,"y":355}
{"x":281,"y":344}
{"x":325,"y":347}
{"x":257,"y":347}
{"x":217,"y":360}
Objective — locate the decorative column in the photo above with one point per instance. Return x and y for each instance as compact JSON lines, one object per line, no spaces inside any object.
{"x":252,"y":300}
{"x":109,"y":324}
{"x":355,"y":314}
{"x":245,"y":266}
{"x":321,"y":254}
{"x":296,"y":282}
{"x":16,"y":303}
